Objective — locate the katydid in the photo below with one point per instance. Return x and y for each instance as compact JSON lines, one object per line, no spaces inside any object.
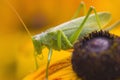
{"x":63,"y":36}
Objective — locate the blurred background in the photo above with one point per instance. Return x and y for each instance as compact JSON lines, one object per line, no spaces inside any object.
{"x":16,"y":49}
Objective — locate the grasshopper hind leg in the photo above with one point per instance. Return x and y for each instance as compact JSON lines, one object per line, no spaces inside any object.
{"x":113,"y":26}
{"x":76,"y":34}
{"x":81,"y":7}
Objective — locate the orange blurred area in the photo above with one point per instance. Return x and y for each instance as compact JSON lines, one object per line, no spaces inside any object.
{"x":16,"y":48}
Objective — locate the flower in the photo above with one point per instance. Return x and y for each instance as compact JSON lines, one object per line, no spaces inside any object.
{"x":97,"y":56}
{"x":65,"y":72}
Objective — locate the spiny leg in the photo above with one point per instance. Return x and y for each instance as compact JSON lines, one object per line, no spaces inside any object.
{"x":48,"y":63}
{"x":113,"y":26}
{"x":81,"y":6}
{"x":75,"y":35}
{"x":61,"y":34}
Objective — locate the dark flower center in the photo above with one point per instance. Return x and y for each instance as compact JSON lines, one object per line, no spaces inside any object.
{"x":97,"y":56}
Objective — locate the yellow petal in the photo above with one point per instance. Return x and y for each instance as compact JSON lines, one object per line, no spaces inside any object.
{"x":60,"y":70}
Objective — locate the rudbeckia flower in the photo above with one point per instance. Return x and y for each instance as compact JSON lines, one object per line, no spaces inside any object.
{"x":61,"y":69}
{"x":95,"y":57}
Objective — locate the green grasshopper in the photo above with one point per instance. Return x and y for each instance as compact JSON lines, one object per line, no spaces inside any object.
{"x":63,"y":36}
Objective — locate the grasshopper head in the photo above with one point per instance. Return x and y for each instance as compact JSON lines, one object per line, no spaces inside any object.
{"x":37,"y":45}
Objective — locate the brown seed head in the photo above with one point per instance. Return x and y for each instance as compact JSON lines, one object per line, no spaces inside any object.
{"x":97,"y":56}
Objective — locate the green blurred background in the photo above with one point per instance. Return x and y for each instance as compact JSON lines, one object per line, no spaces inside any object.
{"x":16,"y":49}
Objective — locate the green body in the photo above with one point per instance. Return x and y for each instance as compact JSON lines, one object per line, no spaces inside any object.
{"x":49,"y":37}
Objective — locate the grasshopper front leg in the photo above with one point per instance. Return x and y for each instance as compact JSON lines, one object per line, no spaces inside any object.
{"x":48,"y":63}
{"x":76,"y":34}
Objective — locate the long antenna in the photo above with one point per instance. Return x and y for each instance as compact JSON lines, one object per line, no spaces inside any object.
{"x":14,"y":10}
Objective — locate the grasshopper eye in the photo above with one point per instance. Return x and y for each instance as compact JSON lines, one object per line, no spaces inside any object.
{"x":97,"y":56}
